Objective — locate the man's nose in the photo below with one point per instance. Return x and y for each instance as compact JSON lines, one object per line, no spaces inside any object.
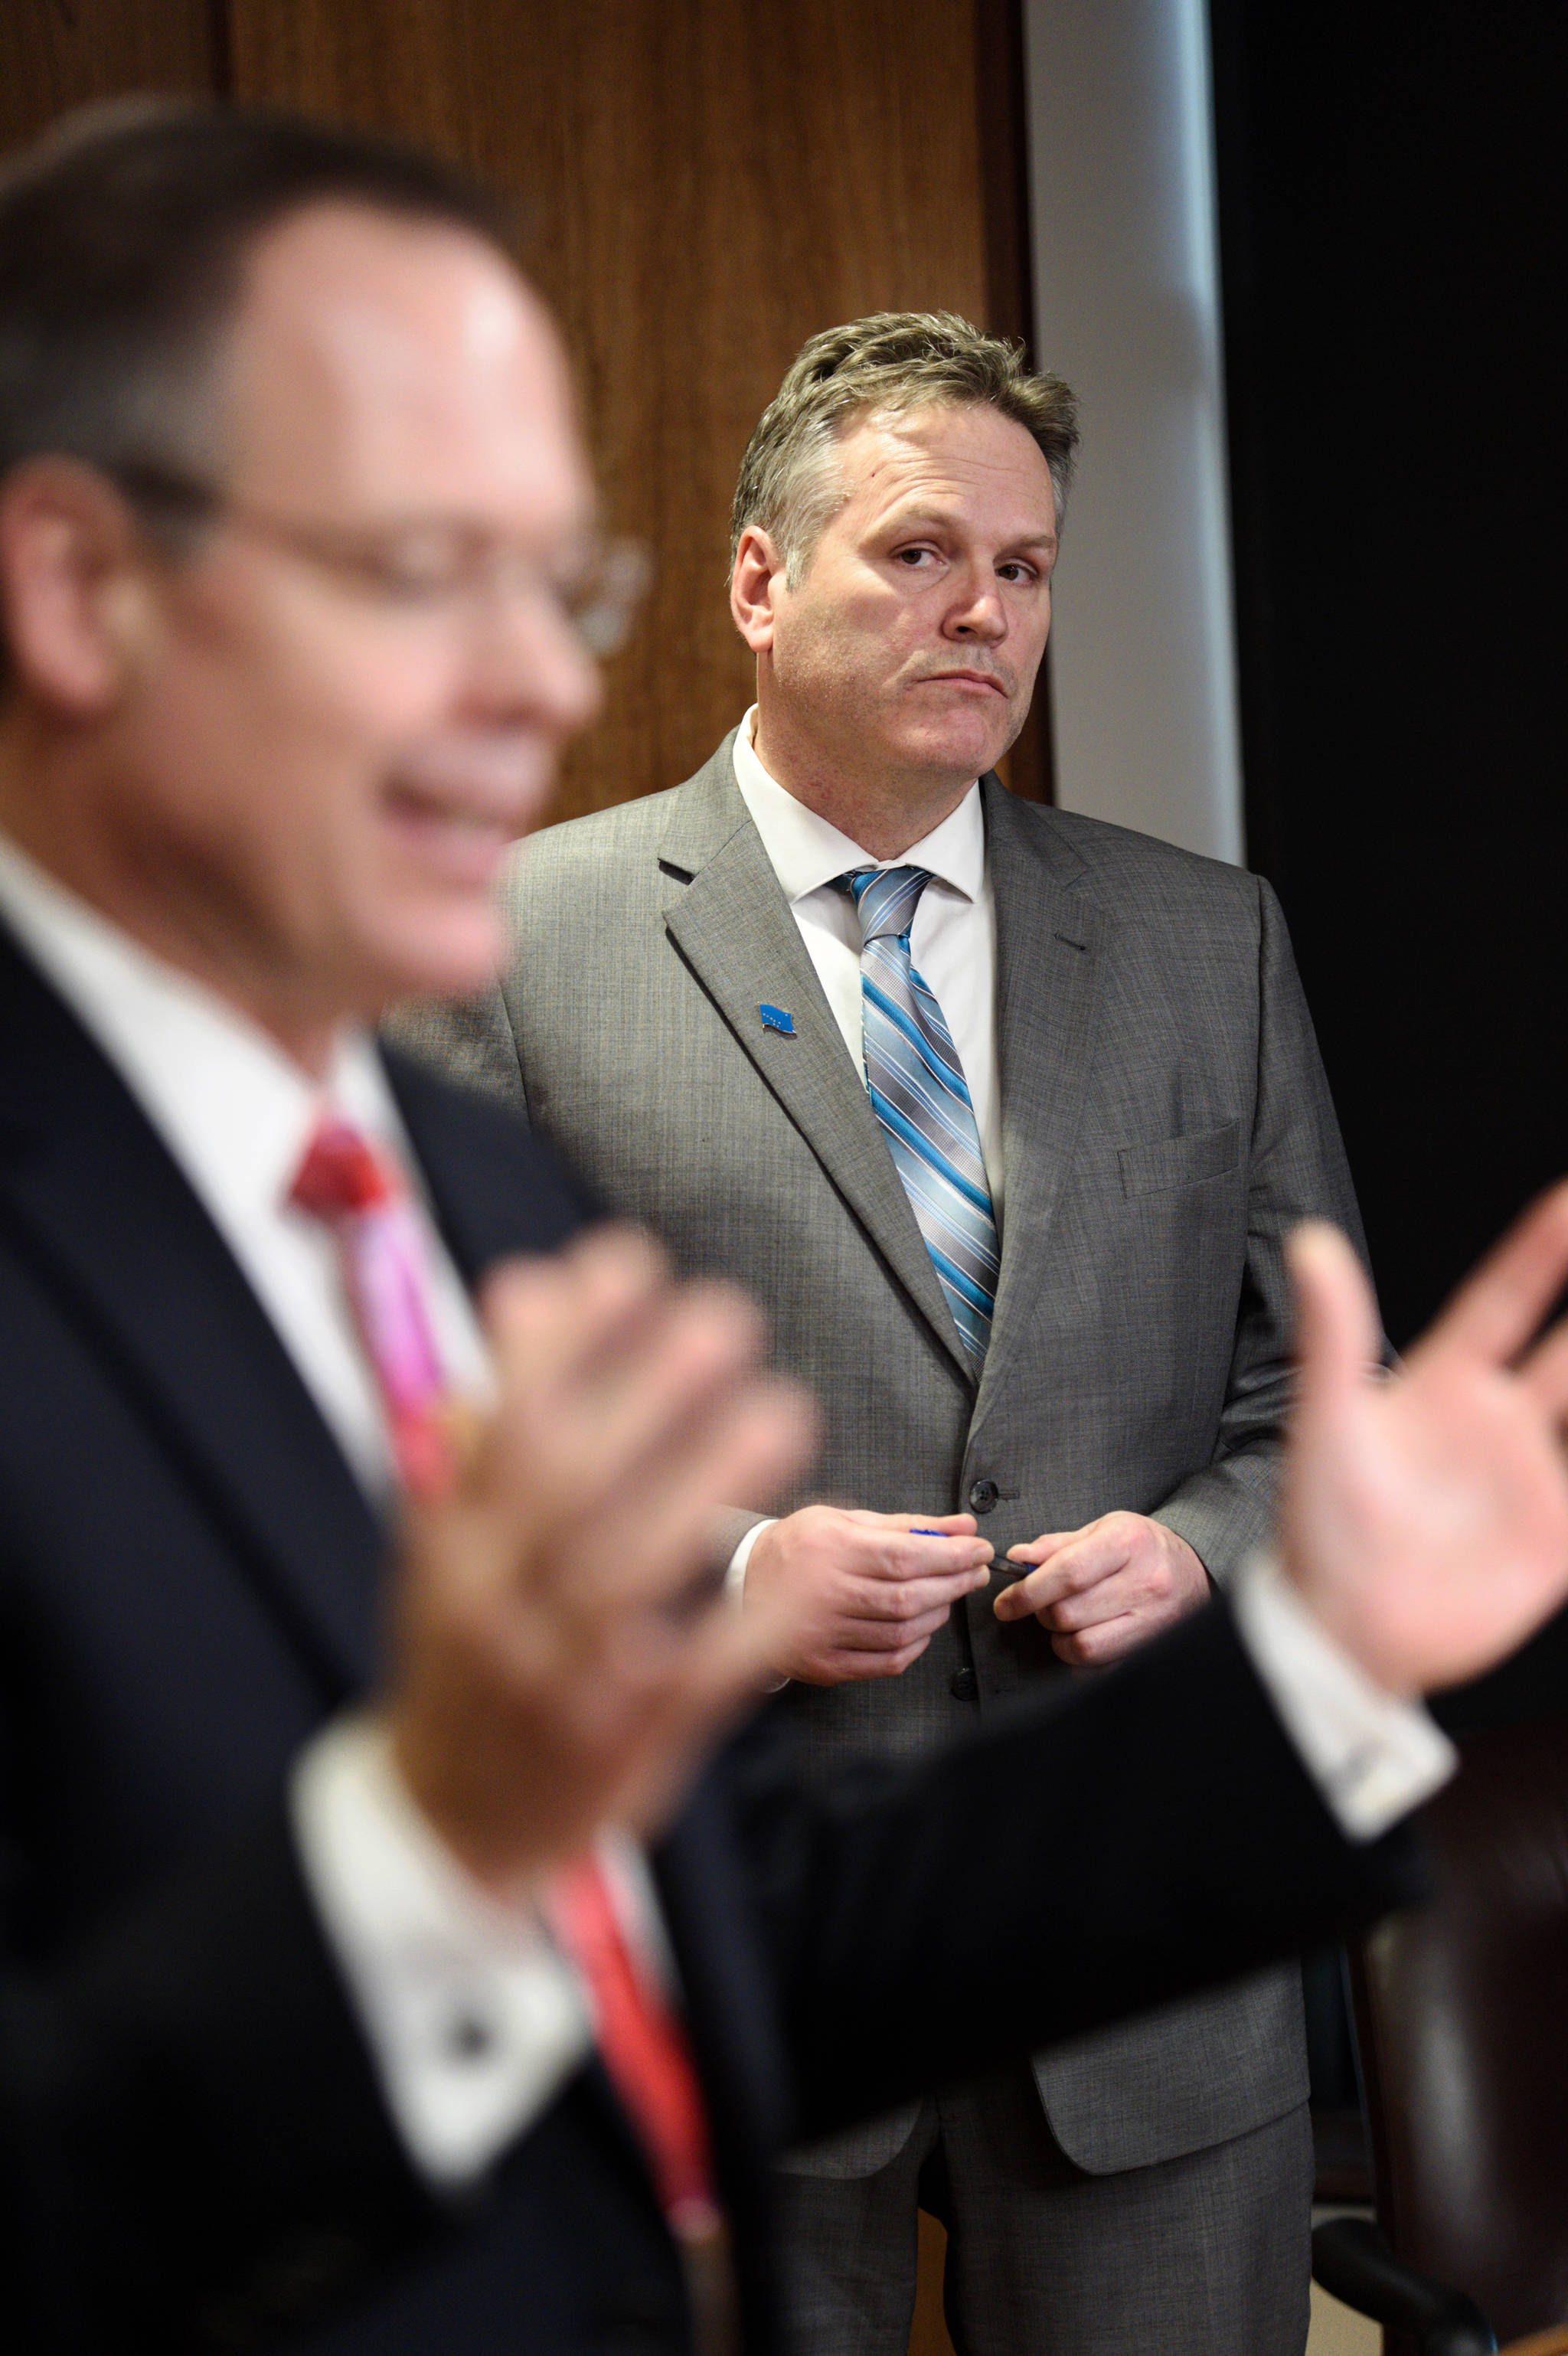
{"x":979,"y":611}
{"x":528,"y":663}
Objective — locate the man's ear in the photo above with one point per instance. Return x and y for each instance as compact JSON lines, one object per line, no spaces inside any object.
{"x":756,"y":582}
{"x":73,"y":582}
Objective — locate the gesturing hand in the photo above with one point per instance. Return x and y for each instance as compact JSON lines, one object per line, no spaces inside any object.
{"x":554,"y":1668}
{"x":1425,"y":1519}
{"x":865,"y":1592}
{"x":1104,"y":1588}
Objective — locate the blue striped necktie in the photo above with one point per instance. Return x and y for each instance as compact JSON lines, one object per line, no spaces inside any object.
{"x":921,"y":1099}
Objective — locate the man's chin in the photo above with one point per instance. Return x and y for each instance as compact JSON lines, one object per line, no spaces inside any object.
{"x":457,"y":956}
{"x":960,"y":753}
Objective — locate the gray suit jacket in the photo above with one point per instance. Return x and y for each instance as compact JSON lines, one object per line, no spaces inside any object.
{"x":1165,"y":1120}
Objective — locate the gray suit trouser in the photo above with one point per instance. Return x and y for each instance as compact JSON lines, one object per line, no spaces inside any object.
{"x":1204,"y":2255}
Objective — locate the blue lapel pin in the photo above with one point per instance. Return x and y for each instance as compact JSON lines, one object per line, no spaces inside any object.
{"x":778,"y":1018}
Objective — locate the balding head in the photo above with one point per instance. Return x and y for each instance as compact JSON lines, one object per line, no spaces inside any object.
{"x":288,"y":752}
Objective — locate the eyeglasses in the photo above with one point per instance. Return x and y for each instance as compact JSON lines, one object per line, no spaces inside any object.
{"x":435,"y":563}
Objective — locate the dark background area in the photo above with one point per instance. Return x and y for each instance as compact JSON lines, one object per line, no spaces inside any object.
{"x":1392,"y":251}
{"x":1392,"y":248}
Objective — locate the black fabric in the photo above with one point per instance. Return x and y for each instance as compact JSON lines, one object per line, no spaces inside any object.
{"x":192,"y":2149}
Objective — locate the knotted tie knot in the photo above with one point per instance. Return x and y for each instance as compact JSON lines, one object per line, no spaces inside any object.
{"x":359,"y":1195}
{"x":885,"y":899}
{"x":341,"y":1174}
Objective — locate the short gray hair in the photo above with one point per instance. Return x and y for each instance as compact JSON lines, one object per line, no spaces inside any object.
{"x":892,"y":363}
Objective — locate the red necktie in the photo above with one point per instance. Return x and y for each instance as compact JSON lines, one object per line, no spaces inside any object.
{"x":643,"y":2046}
{"x":360,"y":1197}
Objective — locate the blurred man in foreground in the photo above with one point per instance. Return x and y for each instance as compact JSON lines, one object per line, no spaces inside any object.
{"x":385,"y":2031}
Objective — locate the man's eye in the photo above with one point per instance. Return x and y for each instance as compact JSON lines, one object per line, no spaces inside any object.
{"x":911,"y":557}
{"x":415,"y":569}
{"x":1017,"y":572}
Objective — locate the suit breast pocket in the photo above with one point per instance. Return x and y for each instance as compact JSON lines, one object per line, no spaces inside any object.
{"x":1172,"y":1161}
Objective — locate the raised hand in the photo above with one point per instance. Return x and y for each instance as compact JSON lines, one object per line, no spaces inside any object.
{"x":1424,"y":1518}
{"x":865,"y":1593}
{"x":559,"y":1662}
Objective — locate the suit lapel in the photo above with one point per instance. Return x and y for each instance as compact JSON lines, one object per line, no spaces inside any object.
{"x":731,"y":924}
{"x":113,"y":1226}
{"x":1050,"y":944}
{"x":495,"y":1188}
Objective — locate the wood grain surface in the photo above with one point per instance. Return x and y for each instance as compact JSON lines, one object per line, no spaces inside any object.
{"x":700,"y":185}
{"x":55,"y":54}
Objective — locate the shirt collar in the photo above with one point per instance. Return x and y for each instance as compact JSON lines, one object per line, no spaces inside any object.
{"x":807,"y":851}
{"x":235,"y":1110}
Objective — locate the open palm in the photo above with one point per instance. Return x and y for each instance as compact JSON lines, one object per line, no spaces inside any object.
{"x":1425,"y":1516}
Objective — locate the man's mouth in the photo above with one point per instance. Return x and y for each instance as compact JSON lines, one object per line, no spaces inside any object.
{"x":459,"y":824}
{"x":976,"y":679}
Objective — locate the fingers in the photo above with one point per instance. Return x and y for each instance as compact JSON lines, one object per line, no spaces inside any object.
{"x":901,"y":1601}
{"x":916,"y":1546}
{"x":1497,"y":1310}
{"x":868,"y":1633}
{"x":650,"y":1533}
{"x":724,"y":1665}
{"x":628,"y":1409}
{"x":1544,"y":1375}
{"x":1071,"y":1563}
{"x":841,"y":1664}
{"x":599,"y":1359}
{"x":957,"y":1526}
{"x":1337,"y":1336}
{"x":549,"y":1318}
{"x":1099,"y":1546}
{"x":1093,"y":1648}
{"x":1040,"y":1550}
{"x":1090,"y":1606}
{"x":615,"y":1382}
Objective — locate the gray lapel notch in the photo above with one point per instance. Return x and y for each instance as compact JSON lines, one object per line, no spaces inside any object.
{"x":732,"y":926}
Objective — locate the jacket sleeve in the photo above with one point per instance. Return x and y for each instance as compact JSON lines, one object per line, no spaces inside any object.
{"x":1297,"y":1171}
{"x":193,"y":2145}
{"x":923,"y":1921}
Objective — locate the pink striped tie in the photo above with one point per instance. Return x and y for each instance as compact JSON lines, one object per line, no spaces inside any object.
{"x":359,"y":1195}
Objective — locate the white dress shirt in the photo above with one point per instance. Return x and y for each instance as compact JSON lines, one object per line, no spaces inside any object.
{"x":952,"y":941}
{"x":473,"y":2018}
{"x":237,"y":1114}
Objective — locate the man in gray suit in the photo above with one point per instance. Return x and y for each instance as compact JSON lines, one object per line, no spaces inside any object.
{"x":1003,"y":1115}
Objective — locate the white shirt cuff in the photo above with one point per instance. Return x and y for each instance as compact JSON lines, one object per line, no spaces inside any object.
{"x":735,"y":1577}
{"x":1373,"y":1756}
{"x":735,"y":1581}
{"x":474,"y":2020}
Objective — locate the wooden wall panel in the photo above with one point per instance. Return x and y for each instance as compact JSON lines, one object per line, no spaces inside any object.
{"x":702,"y":184}
{"x":59,"y":53}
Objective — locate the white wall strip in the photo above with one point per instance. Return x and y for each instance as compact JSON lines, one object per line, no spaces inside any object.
{"x":1127,"y":307}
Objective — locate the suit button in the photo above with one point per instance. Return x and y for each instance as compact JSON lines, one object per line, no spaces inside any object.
{"x":983,"y":1495}
{"x":964,"y":1684}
